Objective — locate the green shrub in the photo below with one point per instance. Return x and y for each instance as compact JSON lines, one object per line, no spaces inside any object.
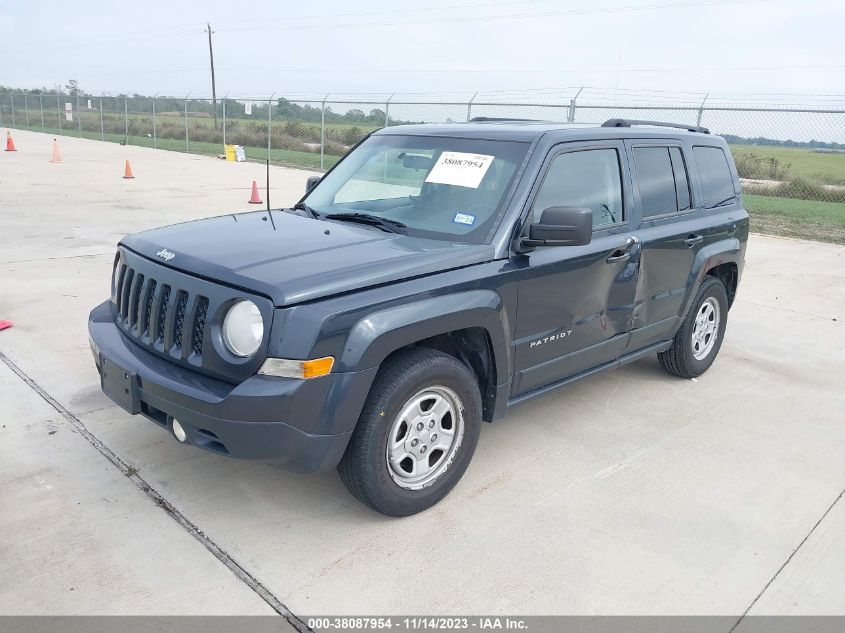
{"x":749,"y":165}
{"x":805,"y":189}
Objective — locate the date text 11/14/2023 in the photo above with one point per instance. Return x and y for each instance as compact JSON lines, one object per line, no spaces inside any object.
{"x":418,"y":623}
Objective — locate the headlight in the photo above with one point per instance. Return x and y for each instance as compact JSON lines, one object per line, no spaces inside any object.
{"x":243,"y":328}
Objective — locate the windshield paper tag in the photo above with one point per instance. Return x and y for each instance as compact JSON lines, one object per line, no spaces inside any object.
{"x":464,"y":218}
{"x":460,"y":169}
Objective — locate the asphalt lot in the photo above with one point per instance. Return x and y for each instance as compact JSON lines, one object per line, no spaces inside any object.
{"x":630,"y":493}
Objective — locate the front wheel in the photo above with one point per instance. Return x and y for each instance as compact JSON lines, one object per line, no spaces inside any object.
{"x":416,"y":435}
{"x":699,"y":338}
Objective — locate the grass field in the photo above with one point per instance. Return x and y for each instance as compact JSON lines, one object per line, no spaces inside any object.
{"x":806,"y":219}
{"x":289,"y":158}
{"x":826,"y":168}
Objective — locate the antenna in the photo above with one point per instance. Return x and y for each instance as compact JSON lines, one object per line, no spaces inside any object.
{"x":272,"y":221}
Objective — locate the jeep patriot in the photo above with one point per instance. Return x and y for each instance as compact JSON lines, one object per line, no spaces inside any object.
{"x":435,"y":277}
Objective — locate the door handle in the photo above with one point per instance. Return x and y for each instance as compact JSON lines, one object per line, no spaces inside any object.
{"x":692,"y":240}
{"x":623,"y":252}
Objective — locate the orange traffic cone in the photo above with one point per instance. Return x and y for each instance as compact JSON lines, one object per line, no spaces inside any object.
{"x":127,"y":171}
{"x":255,"y":198}
{"x":10,"y":144}
{"x":57,"y":155}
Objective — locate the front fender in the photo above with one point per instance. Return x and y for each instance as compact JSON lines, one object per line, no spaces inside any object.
{"x":380,"y":333}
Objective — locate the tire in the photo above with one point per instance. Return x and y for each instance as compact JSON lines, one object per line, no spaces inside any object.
{"x":689,"y":357}
{"x":417,"y":385}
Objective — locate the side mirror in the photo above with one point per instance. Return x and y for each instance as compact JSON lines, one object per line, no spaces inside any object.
{"x":561,"y":226}
{"x":311,"y":182}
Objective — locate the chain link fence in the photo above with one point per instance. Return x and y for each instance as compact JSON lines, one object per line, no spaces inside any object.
{"x":791,"y":159}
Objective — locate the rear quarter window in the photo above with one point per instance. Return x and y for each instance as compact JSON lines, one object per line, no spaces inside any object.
{"x":717,"y":183}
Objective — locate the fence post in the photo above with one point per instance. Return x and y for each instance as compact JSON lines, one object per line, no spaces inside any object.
{"x":323,"y":131}
{"x":26,"y":109}
{"x":701,"y":109}
{"x":469,"y":107}
{"x":41,"y":107}
{"x":269,"y":123}
{"x":223,"y":105}
{"x":102,"y":127}
{"x":59,"y":110}
{"x":154,"y":121}
{"x":187,"y":145}
{"x":1,"y":109}
{"x":126,"y":120}
{"x":571,"y":116}
{"x":387,"y":110}
{"x":12,"y":102}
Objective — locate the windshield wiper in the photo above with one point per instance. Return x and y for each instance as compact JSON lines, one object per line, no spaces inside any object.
{"x":373,"y":220}
{"x":301,"y":206}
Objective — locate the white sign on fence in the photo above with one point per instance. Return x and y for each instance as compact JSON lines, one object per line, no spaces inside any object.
{"x":89,"y":104}
{"x":69,"y":111}
{"x":247,"y":108}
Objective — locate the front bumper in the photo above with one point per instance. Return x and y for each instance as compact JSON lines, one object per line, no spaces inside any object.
{"x":303,"y":425}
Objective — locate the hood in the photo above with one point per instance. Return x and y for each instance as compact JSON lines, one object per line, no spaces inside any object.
{"x":292,"y":259}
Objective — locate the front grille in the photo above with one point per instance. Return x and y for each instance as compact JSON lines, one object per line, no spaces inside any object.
{"x":158,"y":315}
{"x":172,"y":314}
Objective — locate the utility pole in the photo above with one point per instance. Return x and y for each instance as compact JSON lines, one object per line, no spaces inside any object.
{"x":213,"y":89}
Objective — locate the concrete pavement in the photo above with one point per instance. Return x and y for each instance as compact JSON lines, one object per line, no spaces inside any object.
{"x":630,"y":493}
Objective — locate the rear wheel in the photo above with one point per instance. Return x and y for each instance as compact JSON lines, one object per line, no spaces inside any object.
{"x":416,"y":435}
{"x":699,"y":338}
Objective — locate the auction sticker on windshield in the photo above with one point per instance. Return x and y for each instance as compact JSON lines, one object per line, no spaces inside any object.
{"x":460,"y":169}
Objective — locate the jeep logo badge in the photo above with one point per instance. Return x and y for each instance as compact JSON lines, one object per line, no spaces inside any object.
{"x":166,"y":255}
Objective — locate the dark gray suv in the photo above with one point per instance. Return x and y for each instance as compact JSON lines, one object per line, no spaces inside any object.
{"x":436,"y":277}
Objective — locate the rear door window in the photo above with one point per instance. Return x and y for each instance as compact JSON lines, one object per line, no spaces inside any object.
{"x":716,"y":180}
{"x":656,"y":180}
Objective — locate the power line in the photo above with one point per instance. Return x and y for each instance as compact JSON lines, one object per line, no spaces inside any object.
{"x":390,"y":12}
{"x":512,"y":16}
{"x":368,"y":71}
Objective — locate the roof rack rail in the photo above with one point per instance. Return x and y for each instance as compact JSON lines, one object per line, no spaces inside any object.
{"x":631,"y":122}
{"x":488,"y":119}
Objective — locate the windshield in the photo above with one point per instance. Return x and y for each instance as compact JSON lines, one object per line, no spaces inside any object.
{"x":441,"y":188}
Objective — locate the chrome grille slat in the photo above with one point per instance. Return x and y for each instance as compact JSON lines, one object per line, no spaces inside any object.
{"x":124,"y":293}
{"x":118,"y":286}
{"x":134,"y":299}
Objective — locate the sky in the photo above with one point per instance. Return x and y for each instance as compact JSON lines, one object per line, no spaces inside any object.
{"x":749,"y":51}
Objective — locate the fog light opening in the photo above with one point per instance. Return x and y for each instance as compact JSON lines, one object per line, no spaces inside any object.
{"x":178,"y":431}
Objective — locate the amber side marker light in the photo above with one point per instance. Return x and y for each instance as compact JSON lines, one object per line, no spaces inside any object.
{"x":285,"y":368}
